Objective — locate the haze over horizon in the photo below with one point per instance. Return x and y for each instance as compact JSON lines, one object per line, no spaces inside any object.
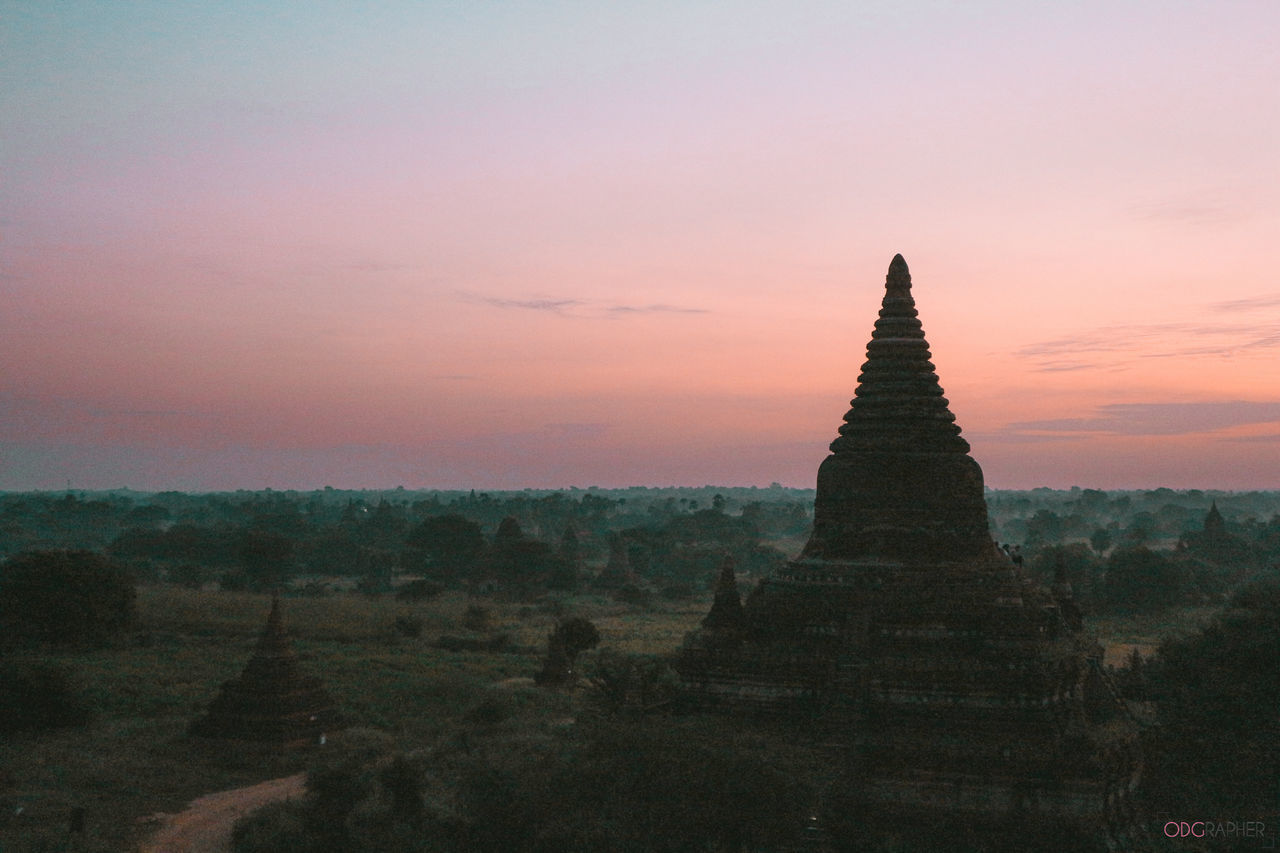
{"x":555,"y":244}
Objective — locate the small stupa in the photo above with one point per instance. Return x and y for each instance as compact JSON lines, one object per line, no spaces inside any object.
{"x":617,"y":572}
{"x":726,"y":622}
{"x":273,"y":702}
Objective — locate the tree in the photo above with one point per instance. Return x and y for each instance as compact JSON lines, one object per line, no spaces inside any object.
{"x":1101,"y":540}
{"x":1218,"y":744}
{"x":37,"y":696}
{"x":1080,"y":564}
{"x":570,"y":638}
{"x":1044,"y":528}
{"x":450,"y":545}
{"x":1142,"y":579}
{"x":266,"y":557}
{"x":662,"y":785}
{"x":74,"y":597}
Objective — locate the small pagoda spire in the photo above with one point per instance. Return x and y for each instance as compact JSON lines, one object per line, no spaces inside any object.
{"x":273,"y":702}
{"x":617,"y":572}
{"x":726,"y":615}
{"x":1215,"y":527}
{"x":1064,"y":596}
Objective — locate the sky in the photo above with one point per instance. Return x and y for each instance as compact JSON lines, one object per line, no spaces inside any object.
{"x":545,"y":244}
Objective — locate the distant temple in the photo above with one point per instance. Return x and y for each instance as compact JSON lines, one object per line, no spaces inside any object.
{"x":273,"y":702}
{"x":966,"y":700}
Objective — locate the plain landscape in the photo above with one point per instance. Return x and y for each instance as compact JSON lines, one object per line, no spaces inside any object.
{"x":360,"y":365}
{"x":429,"y":633}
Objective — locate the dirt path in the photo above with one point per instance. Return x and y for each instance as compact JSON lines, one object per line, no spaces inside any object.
{"x":205,"y":826}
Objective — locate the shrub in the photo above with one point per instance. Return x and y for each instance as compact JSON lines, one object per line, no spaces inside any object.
{"x":409,"y":626}
{"x":74,"y":597}
{"x":1140,"y":579}
{"x":570,"y":638}
{"x":633,"y":683}
{"x":496,"y":643}
{"x":1217,"y":747}
{"x":419,"y":590}
{"x":477,"y":618}
{"x":38,"y":696}
{"x":629,"y":593}
{"x":678,"y":590}
{"x":274,"y":828}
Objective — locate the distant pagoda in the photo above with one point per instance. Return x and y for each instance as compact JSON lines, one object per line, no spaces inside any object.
{"x":272,"y":702}
{"x":966,"y":700}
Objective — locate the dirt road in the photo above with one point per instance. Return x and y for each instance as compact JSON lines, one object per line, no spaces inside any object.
{"x":205,"y":826}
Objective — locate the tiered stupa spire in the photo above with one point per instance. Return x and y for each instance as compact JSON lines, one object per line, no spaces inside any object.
{"x":967,"y":701}
{"x":272,"y":702}
{"x":899,"y":482}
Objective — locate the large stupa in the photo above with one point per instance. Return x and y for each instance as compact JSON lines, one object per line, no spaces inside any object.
{"x":966,"y":701}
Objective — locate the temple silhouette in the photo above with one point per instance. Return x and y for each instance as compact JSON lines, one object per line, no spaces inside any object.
{"x":273,"y":703}
{"x":963,"y":701}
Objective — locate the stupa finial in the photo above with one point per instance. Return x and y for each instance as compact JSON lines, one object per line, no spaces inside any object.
{"x":898,"y":281}
{"x":274,"y":640}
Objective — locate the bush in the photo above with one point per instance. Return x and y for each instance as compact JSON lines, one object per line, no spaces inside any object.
{"x":1139,"y":579}
{"x":409,"y":626}
{"x":504,"y":782}
{"x":72,"y":597}
{"x":274,"y":828}
{"x":477,"y":618}
{"x":631,"y":594}
{"x":678,"y":591}
{"x":419,"y":590}
{"x":496,"y":643}
{"x":671,"y":786}
{"x":1218,"y":744}
{"x":571,"y":637}
{"x":38,"y":696}
{"x":633,"y":683}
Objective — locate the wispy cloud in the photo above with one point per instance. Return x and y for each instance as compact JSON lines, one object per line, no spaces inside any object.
{"x":1256,"y":303}
{"x":574,"y":307}
{"x":655,"y":309}
{"x":1156,"y":419}
{"x":372,"y":266}
{"x":35,"y":420}
{"x":575,"y":431}
{"x":1266,"y":438}
{"x":1203,"y":207}
{"x":1112,"y":346}
{"x":548,"y":304}
{"x":1009,"y":435}
{"x":15,"y":406}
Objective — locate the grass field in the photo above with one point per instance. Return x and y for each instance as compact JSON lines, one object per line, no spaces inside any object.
{"x":135,"y":758}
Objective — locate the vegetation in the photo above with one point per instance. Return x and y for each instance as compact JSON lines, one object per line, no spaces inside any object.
{"x":458,"y":742}
{"x":1125,"y":551}
{"x":514,"y":775}
{"x":1217,"y":748}
{"x":131,"y":757}
{"x":570,"y":638}
{"x":65,"y":597}
{"x":35,"y":695}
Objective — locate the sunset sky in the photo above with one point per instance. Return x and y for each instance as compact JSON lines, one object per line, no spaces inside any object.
{"x":545,"y":244}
